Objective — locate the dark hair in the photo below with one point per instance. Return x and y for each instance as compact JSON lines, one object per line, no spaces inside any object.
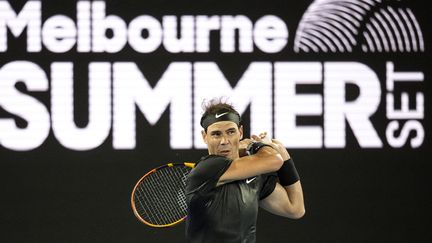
{"x":217,"y":105}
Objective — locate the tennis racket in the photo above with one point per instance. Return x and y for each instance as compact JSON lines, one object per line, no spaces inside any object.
{"x":158,"y":199}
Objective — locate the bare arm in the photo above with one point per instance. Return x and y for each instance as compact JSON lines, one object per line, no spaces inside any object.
{"x":266,"y":160}
{"x":285,"y":201}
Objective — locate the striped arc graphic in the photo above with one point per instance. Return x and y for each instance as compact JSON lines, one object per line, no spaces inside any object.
{"x":393,"y":30}
{"x":334,"y":26}
{"x":331,"y":25}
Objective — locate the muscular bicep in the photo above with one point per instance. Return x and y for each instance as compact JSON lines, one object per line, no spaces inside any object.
{"x":279,"y":203}
{"x":266,"y":161}
{"x":276,"y":202}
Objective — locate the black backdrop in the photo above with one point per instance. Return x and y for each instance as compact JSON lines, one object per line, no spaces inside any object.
{"x":352,"y":194}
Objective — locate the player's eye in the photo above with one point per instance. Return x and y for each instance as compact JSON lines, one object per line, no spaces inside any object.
{"x":231,"y":132}
{"x":216,"y":134}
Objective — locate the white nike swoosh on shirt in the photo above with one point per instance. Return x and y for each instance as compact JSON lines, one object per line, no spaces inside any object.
{"x":219,"y":115}
{"x":250,"y":180}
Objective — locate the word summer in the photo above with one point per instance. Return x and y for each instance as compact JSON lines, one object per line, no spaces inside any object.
{"x":117,"y":91}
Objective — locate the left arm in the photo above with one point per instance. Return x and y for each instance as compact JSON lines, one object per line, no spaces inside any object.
{"x":286,"y":201}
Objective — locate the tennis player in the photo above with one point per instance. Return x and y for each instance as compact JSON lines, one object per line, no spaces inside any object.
{"x":226,"y":188}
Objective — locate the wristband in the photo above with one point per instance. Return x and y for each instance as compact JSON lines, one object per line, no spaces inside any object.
{"x":253,"y":147}
{"x":287,"y":173}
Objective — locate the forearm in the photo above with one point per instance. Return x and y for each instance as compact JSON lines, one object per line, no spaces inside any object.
{"x":285,"y":201}
{"x":290,"y":180}
{"x":296,"y":200}
{"x":267,"y":154}
{"x":266,"y":160}
{"x":269,"y":157}
{"x":287,"y":198}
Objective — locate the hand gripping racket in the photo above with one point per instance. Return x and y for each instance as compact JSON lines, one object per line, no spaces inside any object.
{"x":158,"y":199}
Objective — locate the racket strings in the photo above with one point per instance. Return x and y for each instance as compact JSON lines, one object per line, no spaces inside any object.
{"x":160,"y":197}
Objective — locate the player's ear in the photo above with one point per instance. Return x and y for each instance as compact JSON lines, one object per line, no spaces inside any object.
{"x":241,"y":132}
{"x":204,"y":136}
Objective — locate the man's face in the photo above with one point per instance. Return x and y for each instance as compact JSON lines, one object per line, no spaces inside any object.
{"x":223,"y":138}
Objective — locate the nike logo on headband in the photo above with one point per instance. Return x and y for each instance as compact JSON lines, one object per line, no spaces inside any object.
{"x":219,"y":115}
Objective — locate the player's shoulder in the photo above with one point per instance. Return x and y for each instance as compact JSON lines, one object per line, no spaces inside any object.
{"x":212,"y":161}
{"x":211,"y":158}
{"x":208,"y":167}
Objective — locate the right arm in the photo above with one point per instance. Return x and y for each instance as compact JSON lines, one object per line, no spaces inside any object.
{"x":266,"y":160}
